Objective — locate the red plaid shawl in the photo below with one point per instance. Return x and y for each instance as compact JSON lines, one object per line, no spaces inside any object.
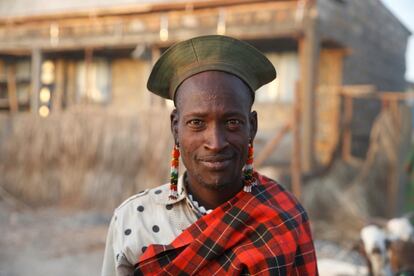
{"x":265,"y":232}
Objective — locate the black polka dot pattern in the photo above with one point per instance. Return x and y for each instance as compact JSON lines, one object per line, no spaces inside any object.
{"x":127,"y":232}
{"x":169,"y":206}
{"x":157,"y":192}
{"x":155,"y":228}
{"x":140,"y":208}
{"x":143,"y":249}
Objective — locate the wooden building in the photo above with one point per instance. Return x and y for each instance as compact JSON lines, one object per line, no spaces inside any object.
{"x":55,"y":54}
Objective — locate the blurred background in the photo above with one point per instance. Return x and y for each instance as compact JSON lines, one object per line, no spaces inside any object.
{"x":79,"y":132}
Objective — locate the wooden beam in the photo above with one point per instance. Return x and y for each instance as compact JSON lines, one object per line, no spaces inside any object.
{"x":88,"y":74}
{"x":70,"y":98}
{"x":36,"y":68}
{"x":369,"y":91}
{"x":358,"y":90}
{"x":296,"y":166}
{"x":11,"y":88}
{"x":21,"y":45}
{"x":347,"y":138}
{"x":59,"y":85}
{"x":396,"y":96}
{"x":309,"y":48}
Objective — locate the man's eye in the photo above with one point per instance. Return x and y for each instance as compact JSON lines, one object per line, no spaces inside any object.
{"x":195,"y":123}
{"x":233,"y":123}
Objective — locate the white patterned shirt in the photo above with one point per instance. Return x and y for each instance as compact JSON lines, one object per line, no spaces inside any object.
{"x":149,"y":217}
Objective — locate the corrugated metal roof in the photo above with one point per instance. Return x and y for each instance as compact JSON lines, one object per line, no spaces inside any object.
{"x":22,"y":8}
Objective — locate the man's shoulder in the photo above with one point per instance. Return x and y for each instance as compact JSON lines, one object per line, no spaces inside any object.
{"x":280,"y":199}
{"x":274,"y":188}
{"x":150,"y":196}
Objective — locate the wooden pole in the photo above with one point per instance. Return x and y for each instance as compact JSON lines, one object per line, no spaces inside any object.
{"x":309,"y":47}
{"x":71,"y":97}
{"x":11,"y":88}
{"x":393,"y":185}
{"x":88,"y":74}
{"x":59,"y":86}
{"x":35,"y":79}
{"x":347,"y":139}
{"x":296,"y":166}
{"x":395,"y":109}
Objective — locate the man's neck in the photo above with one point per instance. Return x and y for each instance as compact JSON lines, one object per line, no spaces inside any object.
{"x":208,"y":197}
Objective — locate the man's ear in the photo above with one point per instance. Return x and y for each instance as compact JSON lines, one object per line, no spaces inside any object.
{"x":174,"y":125}
{"x":253,"y":124}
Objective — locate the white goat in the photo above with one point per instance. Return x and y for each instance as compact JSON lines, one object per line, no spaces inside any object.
{"x":401,"y":229}
{"x":390,"y":249}
{"x":401,"y":252}
{"x":375,"y":245}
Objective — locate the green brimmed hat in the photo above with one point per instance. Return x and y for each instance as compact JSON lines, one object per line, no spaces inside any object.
{"x":209,"y":53}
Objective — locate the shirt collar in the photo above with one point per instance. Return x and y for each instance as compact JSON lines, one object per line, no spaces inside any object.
{"x":163,"y":197}
{"x":184,"y":194}
{"x":201,"y":210}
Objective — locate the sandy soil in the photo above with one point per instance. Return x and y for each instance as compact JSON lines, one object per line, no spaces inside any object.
{"x":51,"y":242}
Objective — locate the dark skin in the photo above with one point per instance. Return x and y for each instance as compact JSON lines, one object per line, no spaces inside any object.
{"x":213,"y":125}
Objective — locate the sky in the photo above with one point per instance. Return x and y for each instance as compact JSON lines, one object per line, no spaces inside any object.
{"x":404,"y":10}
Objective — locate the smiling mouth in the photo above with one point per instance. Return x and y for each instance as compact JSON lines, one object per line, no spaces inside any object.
{"x":216,"y":164}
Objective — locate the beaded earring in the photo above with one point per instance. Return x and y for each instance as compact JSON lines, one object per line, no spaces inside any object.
{"x":249,"y":181}
{"x":174,"y":172}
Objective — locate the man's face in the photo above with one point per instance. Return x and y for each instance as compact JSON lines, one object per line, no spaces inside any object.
{"x":213,"y":126}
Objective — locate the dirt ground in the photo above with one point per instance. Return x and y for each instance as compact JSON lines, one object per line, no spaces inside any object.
{"x":51,"y":241}
{"x":56,"y":241}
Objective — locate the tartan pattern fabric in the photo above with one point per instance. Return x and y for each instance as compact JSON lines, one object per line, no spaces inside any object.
{"x":265,"y":232}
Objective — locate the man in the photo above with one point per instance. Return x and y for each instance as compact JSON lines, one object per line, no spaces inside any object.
{"x":220,"y":217}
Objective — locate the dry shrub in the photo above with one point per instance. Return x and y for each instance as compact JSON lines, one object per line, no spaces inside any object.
{"x":87,"y":156}
{"x":327,"y":201}
{"x":348,"y":197}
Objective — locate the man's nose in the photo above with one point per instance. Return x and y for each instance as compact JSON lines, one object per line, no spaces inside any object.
{"x":215,"y":138}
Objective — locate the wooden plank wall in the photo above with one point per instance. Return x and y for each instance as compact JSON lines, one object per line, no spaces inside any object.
{"x":129,"y":78}
{"x":377,"y":42}
{"x":328,"y":104}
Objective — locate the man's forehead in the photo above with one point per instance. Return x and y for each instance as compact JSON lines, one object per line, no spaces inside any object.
{"x":216,"y":109}
{"x":214,"y":86}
